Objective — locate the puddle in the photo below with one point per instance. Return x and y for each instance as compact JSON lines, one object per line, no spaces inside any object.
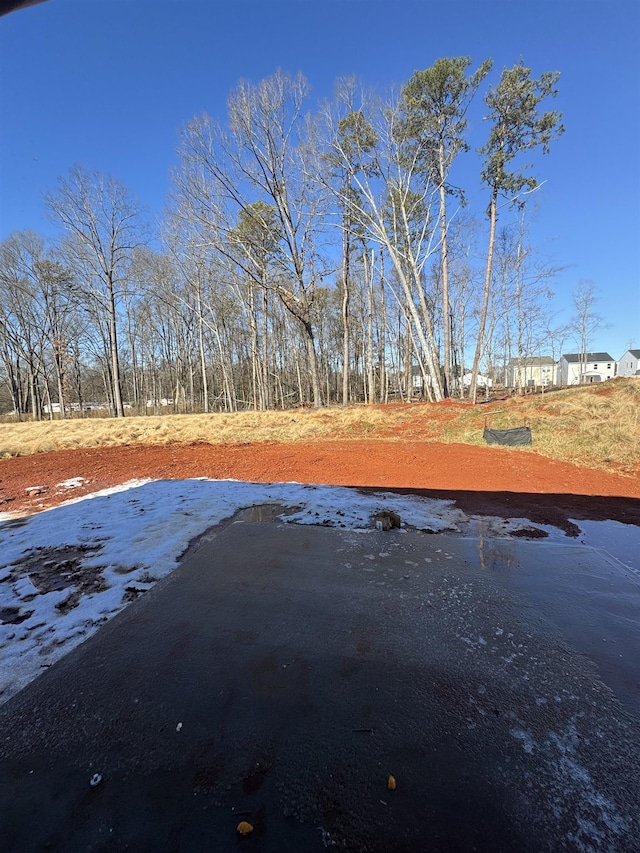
{"x":259,"y":513}
{"x":263,"y":512}
{"x":614,"y":538}
{"x":495,"y":527}
{"x":578,"y":592}
{"x":621,"y":541}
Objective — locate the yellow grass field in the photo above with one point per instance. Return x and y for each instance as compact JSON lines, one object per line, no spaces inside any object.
{"x":595,"y":426}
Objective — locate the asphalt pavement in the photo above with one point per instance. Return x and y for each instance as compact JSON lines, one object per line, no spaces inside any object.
{"x":283,"y":673}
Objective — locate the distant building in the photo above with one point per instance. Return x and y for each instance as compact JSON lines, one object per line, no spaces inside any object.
{"x":418,"y":383}
{"x":629,"y":363}
{"x":56,"y":408}
{"x":163,"y":401}
{"x":531,"y":371}
{"x":576,"y":368}
{"x":481,"y":381}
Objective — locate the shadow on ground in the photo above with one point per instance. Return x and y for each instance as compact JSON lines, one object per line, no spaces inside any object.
{"x":282,"y":673}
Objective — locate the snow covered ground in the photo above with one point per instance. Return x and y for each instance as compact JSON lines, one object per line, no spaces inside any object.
{"x":66,"y":571}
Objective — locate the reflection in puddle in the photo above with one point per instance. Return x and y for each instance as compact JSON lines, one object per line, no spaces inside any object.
{"x":263,"y":512}
{"x":497,"y":555}
{"x":618,"y":540}
{"x":267,"y":512}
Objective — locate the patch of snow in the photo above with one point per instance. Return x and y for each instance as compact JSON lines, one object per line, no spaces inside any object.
{"x":72,"y":483}
{"x":23,"y":588}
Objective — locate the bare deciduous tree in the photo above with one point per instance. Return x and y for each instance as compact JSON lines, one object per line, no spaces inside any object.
{"x":103,"y":226}
{"x":391,"y":197}
{"x":586,"y":320}
{"x":266,"y":157}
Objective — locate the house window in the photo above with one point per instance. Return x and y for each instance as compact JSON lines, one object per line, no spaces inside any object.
{"x":608,"y":367}
{"x":595,"y":366}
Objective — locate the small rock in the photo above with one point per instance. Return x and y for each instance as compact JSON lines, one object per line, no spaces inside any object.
{"x":32,"y":491}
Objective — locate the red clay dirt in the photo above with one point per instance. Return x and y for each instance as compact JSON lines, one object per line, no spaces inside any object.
{"x":482,"y":480}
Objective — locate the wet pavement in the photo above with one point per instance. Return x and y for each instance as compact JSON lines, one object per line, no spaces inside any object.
{"x":282,"y":673}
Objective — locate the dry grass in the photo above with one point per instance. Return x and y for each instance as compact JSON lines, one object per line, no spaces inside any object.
{"x":596,"y":427}
{"x":22,"y":439}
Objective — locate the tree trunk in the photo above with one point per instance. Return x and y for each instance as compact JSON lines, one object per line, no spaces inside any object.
{"x":47,"y":396}
{"x":368,"y":274}
{"x":253,"y":326}
{"x":493,"y":214}
{"x":118,"y":408}
{"x":345,"y":332}
{"x":266,"y":382}
{"x":426,"y":340}
{"x":78,"y":378}
{"x":408,"y":362}
{"x":313,"y":365}
{"x":59,"y":381}
{"x":33,"y":393}
{"x":226,"y":383}
{"x":203,"y":363}
{"x":301,"y":399}
{"x":382,"y":334}
{"x":445,"y":285}
{"x":346,"y":248}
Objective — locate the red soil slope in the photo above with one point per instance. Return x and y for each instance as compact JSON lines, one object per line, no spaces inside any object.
{"x":481,"y":479}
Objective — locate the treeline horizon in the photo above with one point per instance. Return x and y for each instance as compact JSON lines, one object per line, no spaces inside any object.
{"x":304,"y":258}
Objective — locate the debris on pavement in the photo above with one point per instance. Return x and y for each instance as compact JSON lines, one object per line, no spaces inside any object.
{"x":387,"y":520}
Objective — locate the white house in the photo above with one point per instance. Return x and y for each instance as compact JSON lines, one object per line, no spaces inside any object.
{"x":629,"y":363}
{"x":482,"y":381}
{"x":531,"y":371}
{"x":163,"y":401}
{"x":56,"y":408}
{"x":576,"y":368}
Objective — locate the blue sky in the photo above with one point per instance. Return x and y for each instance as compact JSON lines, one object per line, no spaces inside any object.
{"x":108,"y":83}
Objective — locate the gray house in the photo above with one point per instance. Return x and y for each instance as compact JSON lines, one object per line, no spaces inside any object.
{"x":629,"y":363}
{"x":577,"y":368}
{"x":539,"y":370}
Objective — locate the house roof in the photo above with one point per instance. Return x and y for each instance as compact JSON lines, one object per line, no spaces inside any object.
{"x":575,"y":357}
{"x":531,"y":360}
{"x":634,"y":352}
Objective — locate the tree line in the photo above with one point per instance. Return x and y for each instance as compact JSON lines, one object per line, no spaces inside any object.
{"x":306,"y":257}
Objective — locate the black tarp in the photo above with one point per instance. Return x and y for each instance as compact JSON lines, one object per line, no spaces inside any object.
{"x":512,"y":437}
